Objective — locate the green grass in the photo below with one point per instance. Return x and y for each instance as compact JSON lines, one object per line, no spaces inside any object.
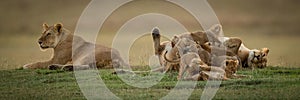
{"x":269,"y":83}
{"x":259,"y":23}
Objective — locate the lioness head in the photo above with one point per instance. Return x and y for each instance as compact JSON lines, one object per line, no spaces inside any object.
{"x":210,"y":35}
{"x":50,"y":36}
{"x":185,"y":45}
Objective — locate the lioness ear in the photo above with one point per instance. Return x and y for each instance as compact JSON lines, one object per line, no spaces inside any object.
{"x":58,"y":27}
{"x":45,"y":26}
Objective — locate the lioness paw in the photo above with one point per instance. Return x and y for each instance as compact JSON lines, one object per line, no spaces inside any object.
{"x":26,"y":66}
{"x":54,"y":67}
{"x":68,"y":68}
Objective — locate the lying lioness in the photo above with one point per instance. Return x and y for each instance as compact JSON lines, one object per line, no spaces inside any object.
{"x":168,"y":56}
{"x":60,"y":39}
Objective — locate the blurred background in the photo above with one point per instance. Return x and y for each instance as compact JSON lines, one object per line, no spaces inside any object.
{"x":259,"y":23}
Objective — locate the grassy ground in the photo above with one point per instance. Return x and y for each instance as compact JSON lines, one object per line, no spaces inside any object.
{"x":269,"y":83}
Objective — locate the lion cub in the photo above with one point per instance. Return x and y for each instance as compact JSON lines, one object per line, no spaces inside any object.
{"x":264,"y":60}
{"x":253,"y":58}
{"x":189,"y":63}
{"x":225,"y":72}
{"x":59,"y":39}
{"x":198,"y":70}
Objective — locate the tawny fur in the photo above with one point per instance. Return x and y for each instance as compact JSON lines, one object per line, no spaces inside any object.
{"x":165,"y":53}
{"x":250,"y":58}
{"x":201,"y":37}
{"x":189,"y":63}
{"x":59,"y":39}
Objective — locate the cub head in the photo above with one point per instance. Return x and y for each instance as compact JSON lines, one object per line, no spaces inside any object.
{"x":231,"y":66}
{"x":256,"y":56}
{"x":265,"y":52}
{"x":214,"y":29}
{"x":50,"y":36}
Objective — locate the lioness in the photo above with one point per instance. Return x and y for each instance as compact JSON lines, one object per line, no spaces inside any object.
{"x":59,"y":39}
{"x":162,"y":49}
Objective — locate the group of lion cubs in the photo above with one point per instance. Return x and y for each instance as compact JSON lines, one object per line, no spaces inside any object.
{"x":202,"y":55}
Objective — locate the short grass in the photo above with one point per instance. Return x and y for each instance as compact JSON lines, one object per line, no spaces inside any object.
{"x":259,"y":23}
{"x":269,"y":83}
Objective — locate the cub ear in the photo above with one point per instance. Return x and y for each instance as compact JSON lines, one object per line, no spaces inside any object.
{"x":217,"y":28}
{"x":58,"y":27}
{"x":265,"y":51}
{"x":236,"y":62}
{"x":227,"y":62}
{"x":45,"y":26}
{"x":174,"y":40}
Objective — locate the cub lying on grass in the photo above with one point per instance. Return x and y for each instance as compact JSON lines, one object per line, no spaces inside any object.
{"x":61,"y":40}
{"x":253,"y":58}
{"x":197,"y":70}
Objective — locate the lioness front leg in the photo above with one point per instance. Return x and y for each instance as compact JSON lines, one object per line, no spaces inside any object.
{"x":61,"y":67}
{"x":240,"y":76}
{"x":68,"y":67}
{"x":46,"y":64}
{"x":38,"y":65}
